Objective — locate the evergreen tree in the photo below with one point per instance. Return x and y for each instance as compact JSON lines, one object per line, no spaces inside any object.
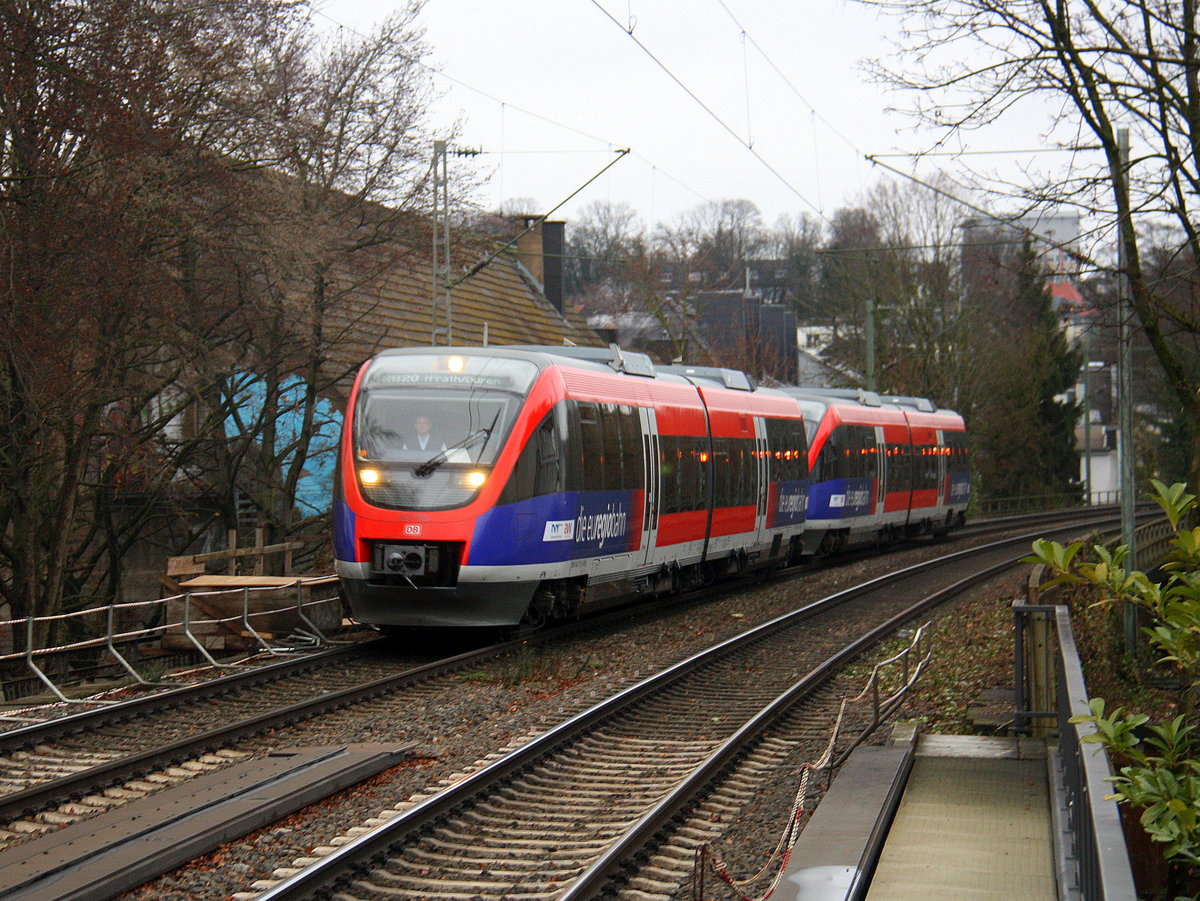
{"x":1024,"y":429}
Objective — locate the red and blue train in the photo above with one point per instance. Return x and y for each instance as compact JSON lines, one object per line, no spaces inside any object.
{"x":501,"y":486}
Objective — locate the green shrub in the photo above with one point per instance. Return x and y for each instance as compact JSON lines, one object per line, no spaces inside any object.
{"x":1158,"y":763}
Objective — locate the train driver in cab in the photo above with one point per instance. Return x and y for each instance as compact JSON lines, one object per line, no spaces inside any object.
{"x":423,"y":437}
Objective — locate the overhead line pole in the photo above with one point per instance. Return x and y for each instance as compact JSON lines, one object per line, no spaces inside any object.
{"x":1125,"y":380}
{"x":441,"y":243}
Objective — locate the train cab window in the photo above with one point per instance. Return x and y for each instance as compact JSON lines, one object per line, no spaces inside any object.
{"x":829,"y":464}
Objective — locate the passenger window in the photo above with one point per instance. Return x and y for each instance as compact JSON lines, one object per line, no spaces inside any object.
{"x":540,"y":468}
{"x":592,"y":444}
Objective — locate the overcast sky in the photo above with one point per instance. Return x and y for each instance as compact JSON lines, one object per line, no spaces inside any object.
{"x":549,"y":88}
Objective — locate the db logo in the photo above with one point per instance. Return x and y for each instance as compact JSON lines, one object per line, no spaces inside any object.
{"x":412,"y":530}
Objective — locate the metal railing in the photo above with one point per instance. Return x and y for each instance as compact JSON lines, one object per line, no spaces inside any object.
{"x":1093,"y":860}
{"x":109,"y":632}
{"x":1035,"y":503}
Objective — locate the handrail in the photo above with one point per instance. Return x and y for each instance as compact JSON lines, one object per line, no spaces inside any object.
{"x":1094,"y":862}
{"x":1103,"y":864}
{"x":102,"y":628}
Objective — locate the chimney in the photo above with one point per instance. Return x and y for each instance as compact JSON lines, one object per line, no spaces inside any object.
{"x":530,"y":248}
{"x":552,"y":262}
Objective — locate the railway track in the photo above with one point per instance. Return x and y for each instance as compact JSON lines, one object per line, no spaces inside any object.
{"x":565,"y":814}
{"x":74,"y":767}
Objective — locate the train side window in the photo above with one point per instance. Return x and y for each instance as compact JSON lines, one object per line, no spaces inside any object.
{"x":701,"y":467}
{"x":689,"y":474}
{"x":899,"y":474}
{"x":747,"y":473}
{"x":788,"y":450}
{"x":865,"y":451}
{"x":575,"y":468}
{"x":631,"y":448}
{"x":735,"y":476}
{"x":928,"y":463}
{"x":613,"y":477}
{"x":591,"y":441}
{"x":722,"y":472}
{"x":668,"y":468}
{"x":540,"y":468}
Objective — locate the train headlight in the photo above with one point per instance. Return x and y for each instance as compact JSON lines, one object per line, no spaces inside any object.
{"x":476,"y":479}
{"x":369,"y":476}
{"x":456,"y":364}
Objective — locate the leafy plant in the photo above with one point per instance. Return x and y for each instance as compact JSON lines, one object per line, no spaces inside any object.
{"x":1159,"y":770}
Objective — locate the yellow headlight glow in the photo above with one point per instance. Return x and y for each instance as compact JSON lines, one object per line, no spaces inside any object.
{"x":475,"y":479}
{"x":456,"y":364}
{"x":369,"y":476}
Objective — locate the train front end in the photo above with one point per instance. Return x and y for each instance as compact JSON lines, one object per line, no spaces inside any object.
{"x":429,"y":439}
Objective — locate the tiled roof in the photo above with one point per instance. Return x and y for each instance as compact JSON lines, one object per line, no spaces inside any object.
{"x":394,"y":309}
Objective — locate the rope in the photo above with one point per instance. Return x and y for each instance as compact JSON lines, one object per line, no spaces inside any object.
{"x":709,"y":858}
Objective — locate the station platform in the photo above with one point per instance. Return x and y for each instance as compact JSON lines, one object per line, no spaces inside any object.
{"x":972,"y":820}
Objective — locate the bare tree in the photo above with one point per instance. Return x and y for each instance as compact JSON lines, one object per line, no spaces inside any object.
{"x":109,"y":118}
{"x":722,"y":235}
{"x":1106,"y":68}
{"x":603,"y":244}
{"x":349,"y":168}
{"x":187,"y":194}
{"x":796,"y":241}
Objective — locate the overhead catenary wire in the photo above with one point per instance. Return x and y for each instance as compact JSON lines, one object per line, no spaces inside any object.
{"x":506,"y":105}
{"x":621,"y":154}
{"x":876,"y":158}
{"x":747,"y":37}
{"x":1007,"y":222}
{"x":730,"y":130}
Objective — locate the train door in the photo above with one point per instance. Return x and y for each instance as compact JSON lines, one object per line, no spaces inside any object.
{"x":939,"y":442}
{"x":762,"y":477}
{"x":879,"y":455}
{"x":651,"y":502}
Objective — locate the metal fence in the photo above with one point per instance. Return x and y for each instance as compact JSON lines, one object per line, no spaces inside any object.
{"x":1037,"y":503}
{"x":1093,"y":860}
{"x":1050,"y":689}
{"x":112,"y":634}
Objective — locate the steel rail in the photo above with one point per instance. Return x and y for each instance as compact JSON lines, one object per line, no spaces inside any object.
{"x":602,"y":871}
{"x":97,"y":778}
{"x":738,"y":744}
{"x":20,"y":737}
{"x":325,"y":875}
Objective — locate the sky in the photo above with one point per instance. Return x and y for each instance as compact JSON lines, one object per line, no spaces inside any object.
{"x":764,"y":100}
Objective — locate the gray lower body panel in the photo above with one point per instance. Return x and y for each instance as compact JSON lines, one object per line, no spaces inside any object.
{"x":466,"y":604}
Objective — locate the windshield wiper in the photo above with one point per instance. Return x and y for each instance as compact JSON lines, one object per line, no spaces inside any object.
{"x":426,"y":469}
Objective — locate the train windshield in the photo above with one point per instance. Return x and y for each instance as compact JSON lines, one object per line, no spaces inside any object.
{"x":438,"y":409}
{"x":427,"y":427}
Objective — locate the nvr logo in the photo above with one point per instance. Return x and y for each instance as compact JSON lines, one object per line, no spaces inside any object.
{"x":559,"y":530}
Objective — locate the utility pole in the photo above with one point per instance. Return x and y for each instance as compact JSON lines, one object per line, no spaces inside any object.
{"x":441,"y":246}
{"x":1125,"y":377}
